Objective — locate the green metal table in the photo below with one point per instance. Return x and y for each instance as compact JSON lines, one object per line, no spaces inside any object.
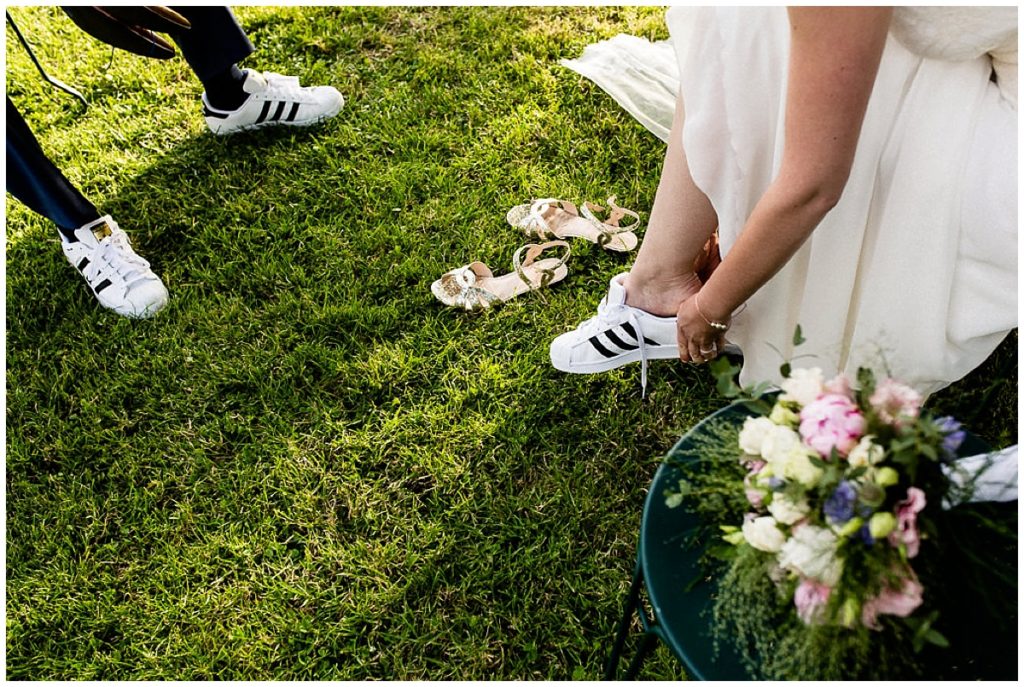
{"x":668,"y":569}
{"x":679,"y":597}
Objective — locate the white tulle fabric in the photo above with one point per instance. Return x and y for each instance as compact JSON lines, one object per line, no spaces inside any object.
{"x":915,"y":270}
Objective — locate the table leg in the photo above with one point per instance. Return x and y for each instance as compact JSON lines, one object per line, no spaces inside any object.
{"x":646,"y":645}
{"x":632,"y":600}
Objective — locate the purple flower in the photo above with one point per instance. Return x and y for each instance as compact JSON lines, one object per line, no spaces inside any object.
{"x":954,"y":436}
{"x":864,"y":534}
{"x":839,"y":506}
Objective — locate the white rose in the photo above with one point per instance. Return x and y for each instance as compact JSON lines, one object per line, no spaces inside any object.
{"x":787,"y":511}
{"x":779,"y":443}
{"x":803,"y":385}
{"x":788,"y":458}
{"x":763,"y":534}
{"x":866,"y":453}
{"x":798,"y":466}
{"x":811,"y":552}
{"x":755,"y":429}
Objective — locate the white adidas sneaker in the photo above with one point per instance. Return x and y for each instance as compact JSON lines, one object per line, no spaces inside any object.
{"x":619,"y":334}
{"x":274,"y":100}
{"x":120,"y":279}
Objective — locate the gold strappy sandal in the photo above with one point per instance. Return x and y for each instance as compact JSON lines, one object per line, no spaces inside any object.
{"x":474,"y":286}
{"x":550,"y":218}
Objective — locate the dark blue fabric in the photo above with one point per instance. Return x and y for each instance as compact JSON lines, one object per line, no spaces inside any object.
{"x":215,"y":41}
{"x":213,"y":44}
{"x":34,"y":180}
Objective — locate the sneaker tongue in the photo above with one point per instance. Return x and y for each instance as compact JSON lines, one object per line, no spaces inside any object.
{"x":254,"y":82}
{"x":617,"y":291}
{"x":101,"y":231}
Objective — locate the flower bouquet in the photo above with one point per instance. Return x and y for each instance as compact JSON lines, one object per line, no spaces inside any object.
{"x":829,"y":501}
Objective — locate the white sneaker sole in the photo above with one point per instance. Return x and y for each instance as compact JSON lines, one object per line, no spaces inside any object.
{"x":158,"y":303}
{"x":653,"y":353}
{"x":323,"y":117}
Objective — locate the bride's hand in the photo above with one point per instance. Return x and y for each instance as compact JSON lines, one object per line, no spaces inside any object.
{"x":699,"y":342}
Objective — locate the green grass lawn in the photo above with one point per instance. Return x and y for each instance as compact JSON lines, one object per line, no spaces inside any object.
{"x":306,"y":467}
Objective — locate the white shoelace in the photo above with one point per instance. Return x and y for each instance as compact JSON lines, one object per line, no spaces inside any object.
{"x":115,"y":254}
{"x":607,"y":317}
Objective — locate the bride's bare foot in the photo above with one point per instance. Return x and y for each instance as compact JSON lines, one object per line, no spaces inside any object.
{"x":661,"y":296}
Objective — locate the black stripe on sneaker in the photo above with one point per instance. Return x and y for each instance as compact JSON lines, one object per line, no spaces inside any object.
{"x":628,"y":328}
{"x":102,"y":285}
{"x":600,"y":347}
{"x":619,"y":342}
{"x":277,"y":113}
{"x":82,"y":265}
{"x":212,"y":113}
{"x":294,"y":111}
{"x":263,"y":112}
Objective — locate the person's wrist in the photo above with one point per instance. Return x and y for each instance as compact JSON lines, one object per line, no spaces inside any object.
{"x":710,"y":316}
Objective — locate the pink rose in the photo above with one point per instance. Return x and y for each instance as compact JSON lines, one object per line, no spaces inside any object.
{"x":900,"y":602}
{"x":840,"y":385}
{"x":810,"y":598}
{"x":895,"y":402}
{"x":754,"y":495}
{"x":906,"y":521}
{"x":832,"y":421}
{"x":752,"y":463}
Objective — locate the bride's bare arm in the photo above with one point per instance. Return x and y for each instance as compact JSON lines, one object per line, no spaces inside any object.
{"x":834,"y":56}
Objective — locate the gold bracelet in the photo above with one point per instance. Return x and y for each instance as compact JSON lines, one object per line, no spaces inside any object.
{"x":720,"y":326}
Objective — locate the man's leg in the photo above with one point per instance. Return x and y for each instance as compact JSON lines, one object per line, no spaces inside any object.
{"x":33,"y":179}
{"x":99,"y":250}
{"x":240,"y":99}
{"x":213,"y":47}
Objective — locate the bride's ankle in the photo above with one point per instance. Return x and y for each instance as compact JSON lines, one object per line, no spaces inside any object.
{"x":661,"y":296}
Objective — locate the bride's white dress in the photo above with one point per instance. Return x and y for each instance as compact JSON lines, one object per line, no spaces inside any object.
{"x":915,"y":270}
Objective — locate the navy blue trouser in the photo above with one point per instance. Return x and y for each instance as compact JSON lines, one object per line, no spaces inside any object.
{"x":211,"y":46}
